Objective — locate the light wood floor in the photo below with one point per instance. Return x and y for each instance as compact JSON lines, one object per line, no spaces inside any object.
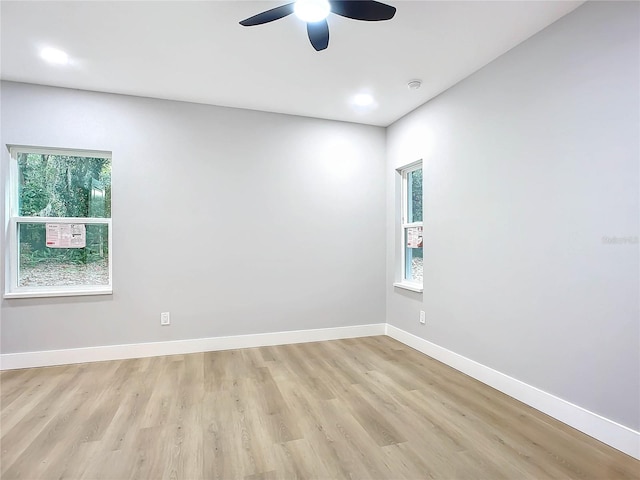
{"x":360,"y":408}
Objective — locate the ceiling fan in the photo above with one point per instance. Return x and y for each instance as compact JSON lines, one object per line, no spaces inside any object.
{"x":315,"y":12}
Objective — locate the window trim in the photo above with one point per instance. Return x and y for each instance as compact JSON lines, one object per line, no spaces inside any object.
{"x":404,"y":226}
{"x":13,"y":290}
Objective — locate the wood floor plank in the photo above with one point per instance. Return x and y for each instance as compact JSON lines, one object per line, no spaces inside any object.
{"x":35,"y":428}
{"x":357,"y":408}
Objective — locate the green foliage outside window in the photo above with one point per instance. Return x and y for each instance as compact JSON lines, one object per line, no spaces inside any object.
{"x":416,"y":203}
{"x":63,"y":186}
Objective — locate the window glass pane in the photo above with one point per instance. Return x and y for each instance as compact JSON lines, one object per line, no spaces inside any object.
{"x":413,"y":254}
{"x":414,"y":196}
{"x":63,"y":186}
{"x":40,"y":265}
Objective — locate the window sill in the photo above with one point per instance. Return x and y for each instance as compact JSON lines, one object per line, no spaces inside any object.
{"x":409,"y":286}
{"x":58,"y":293}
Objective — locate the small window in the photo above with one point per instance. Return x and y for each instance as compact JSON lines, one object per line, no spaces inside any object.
{"x":60,"y":223}
{"x":411,"y":234}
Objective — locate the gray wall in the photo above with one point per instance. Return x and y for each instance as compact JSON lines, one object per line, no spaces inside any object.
{"x":529,"y":163}
{"x":235,"y":221}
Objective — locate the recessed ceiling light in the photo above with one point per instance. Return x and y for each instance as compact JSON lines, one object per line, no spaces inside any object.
{"x":312,"y":10}
{"x":362,"y":100}
{"x":53,"y":55}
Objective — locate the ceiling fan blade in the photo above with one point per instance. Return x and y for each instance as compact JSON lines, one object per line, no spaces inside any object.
{"x":368,"y":10}
{"x":318,"y":34}
{"x":269,"y":16}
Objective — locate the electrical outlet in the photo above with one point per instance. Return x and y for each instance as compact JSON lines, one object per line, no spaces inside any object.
{"x":165,"y":319}
{"x":423,"y":320}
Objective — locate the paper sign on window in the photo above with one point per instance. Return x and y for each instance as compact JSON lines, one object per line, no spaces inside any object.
{"x":66,"y":235}
{"x":414,"y":237}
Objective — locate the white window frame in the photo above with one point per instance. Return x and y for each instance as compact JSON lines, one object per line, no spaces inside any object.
{"x":13,"y":290}
{"x":402,"y":281}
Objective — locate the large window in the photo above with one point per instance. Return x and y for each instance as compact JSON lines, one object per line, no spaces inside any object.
{"x":411,"y":238}
{"x":60,"y":223}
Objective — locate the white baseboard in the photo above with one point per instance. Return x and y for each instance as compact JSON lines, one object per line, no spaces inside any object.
{"x":11,"y":361}
{"x":607,"y":431}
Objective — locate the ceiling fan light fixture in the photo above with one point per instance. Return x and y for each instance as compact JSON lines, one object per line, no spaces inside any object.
{"x":312,"y":11}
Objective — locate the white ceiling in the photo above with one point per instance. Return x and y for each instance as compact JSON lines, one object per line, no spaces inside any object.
{"x":196,"y":51}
